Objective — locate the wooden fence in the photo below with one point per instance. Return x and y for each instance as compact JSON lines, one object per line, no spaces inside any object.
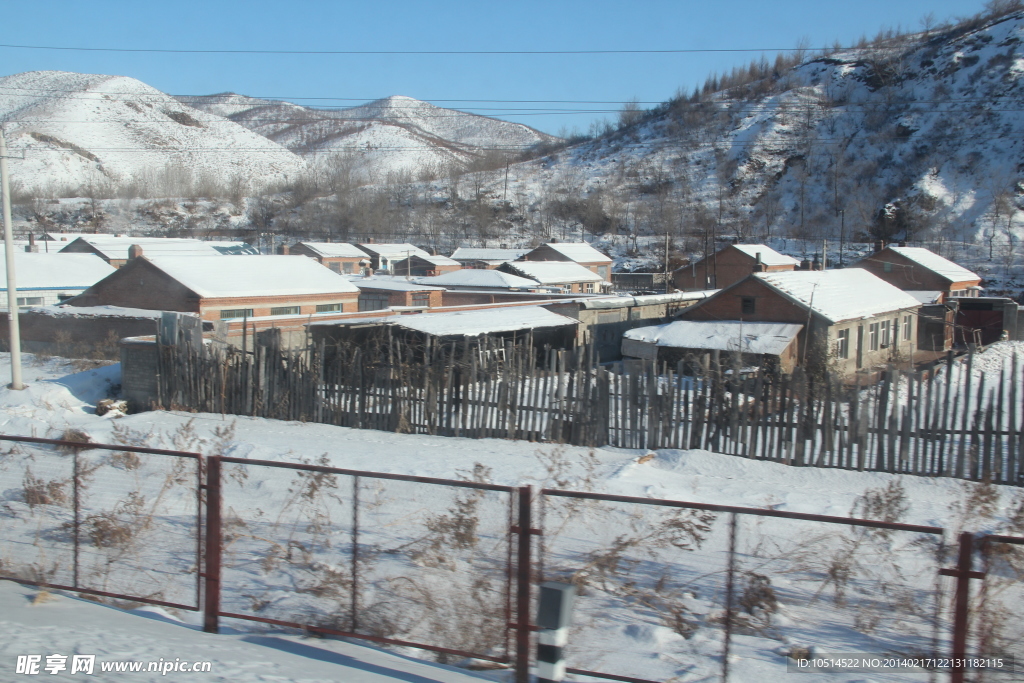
{"x":957,"y":422}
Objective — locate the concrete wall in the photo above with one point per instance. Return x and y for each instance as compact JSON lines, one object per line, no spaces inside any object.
{"x":77,"y":336}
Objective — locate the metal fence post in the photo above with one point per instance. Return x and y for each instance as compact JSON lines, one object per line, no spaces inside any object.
{"x":523,"y":587}
{"x":211,"y":609}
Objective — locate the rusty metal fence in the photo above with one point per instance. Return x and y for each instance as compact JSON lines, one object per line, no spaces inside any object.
{"x":447,"y":566}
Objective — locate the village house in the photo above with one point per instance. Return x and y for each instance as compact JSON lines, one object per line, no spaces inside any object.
{"x":485,"y":259}
{"x":571,"y":278}
{"x":47,"y":279}
{"x":341,"y":257}
{"x":921,"y":271}
{"x":575,"y":252}
{"x":853,"y":319}
{"x":382,"y":256}
{"x":424,"y":266}
{"x":225,"y":288}
{"x":118,"y":250}
{"x":730,"y":265}
{"x":378,"y":293}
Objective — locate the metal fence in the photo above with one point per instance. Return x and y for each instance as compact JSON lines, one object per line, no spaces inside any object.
{"x":447,"y":566}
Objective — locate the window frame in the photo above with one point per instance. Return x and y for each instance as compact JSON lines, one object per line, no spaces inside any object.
{"x":286,"y":310}
{"x":873,"y":335}
{"x":843,"y":343}
{"x":328,"y":308}
{"x":908,"y":331}
{"x":246,"y":313}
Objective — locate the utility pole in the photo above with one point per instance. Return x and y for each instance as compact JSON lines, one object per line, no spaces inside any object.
{"x":666,"y":263}
{"x":12,"y":286}
{"x":842,"y":235}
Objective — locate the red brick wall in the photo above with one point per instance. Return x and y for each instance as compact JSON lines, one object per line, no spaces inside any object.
{"x":725,"y":268}
{"x":140,"y":285}
{"x":906,"y":274}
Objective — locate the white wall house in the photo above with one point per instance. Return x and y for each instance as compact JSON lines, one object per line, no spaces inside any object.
{"x":47,"y":279}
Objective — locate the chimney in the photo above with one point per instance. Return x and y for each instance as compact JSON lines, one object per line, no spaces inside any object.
{"x":283,"y":250}
{"x":816,"y":264}
{"x":758,"y":263}
{"x":134,"y":252}
{"x":879,"y":245}
{"x":32,"y":247}
{"x":805,"y":264}
{"x":902,"y":243}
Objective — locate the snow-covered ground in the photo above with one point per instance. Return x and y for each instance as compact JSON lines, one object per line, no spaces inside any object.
{"x":639,"y":565}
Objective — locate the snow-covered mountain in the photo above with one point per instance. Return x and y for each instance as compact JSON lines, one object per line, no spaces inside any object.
{"x":108,"y":133}
{"x":384,"y":138}
{"x":911,"y":136}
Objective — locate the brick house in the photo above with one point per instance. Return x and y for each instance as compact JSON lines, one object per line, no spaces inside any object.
{"x":424,"y":266}
{"x":48,"y":279}
{"x":921,"y":270}
{"x":114,"y":249}
{"x":382,"y":256}
{"x":341,"y":257}
{"x":225,"y":288}
{"x":859,"y":319}
{"x":485,"y":259}
{"x":377,"y":293}
{"x":566,"y":276}
{"x":730,"y":265}
{"x":576,"y":252}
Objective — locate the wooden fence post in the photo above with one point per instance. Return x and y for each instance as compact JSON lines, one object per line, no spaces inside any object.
{"x":211,"y":608}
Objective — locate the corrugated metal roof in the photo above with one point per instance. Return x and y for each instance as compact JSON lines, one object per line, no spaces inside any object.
{"x":722,"y":335}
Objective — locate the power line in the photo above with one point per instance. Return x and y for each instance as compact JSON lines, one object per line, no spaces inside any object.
{"x":830,"y":49}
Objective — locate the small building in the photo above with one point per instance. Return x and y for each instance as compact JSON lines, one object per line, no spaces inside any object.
{"x":730,"y":265}
{"x":576,"y":252}
{"x":852,"y":320}
{"x":920,"y":269}
{"x":424,"y":266}
{"x":378,"y":293}
{"x":48,"y":279}
{"x":760,"y":345}
{"x":569,"y":277}
{"x":475,"y":279}
{"x":382,"y":256}
{"x":225,"y":288}
{"x":118,"y":250}
{"x":341,"y":257}
{"x":486,"y":259}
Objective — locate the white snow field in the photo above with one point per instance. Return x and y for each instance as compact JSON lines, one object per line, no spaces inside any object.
{"x":652,"y":579}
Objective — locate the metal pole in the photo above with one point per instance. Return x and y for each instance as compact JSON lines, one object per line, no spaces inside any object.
{"x":355,"y":555}
{"x":12,"y":287}
{"x":212,"y":603}
{"x":523,"y":588}
{"x":729,"y":592}
{"x":962,"y":601}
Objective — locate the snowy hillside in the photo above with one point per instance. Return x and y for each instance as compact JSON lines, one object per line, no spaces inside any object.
{"x":914,"y":136}
{"x":390,"y":136}
{"x":112,"y":133}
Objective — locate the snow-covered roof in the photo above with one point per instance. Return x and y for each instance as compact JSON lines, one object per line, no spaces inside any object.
{"x":838,"y":295}
{"x":113,"y":247}
{"x":235,"y":248}
{"x":554,"y":272}
{"x":724,"y":335}
{"x":925,"y":296}
{"x":392,"y":251}
{"x":247,"y":276}
{"x":935,"y":263}
{"x":467,"y":277}
{"x":471,"y":323}
{"x":335,"y":249}
{"x":72,"y":311}
{"x":769,"y":256}
{"x":391,"y":283}
{"x":581,"y":252}
{"x":55,"y":270}
{"x":477,"y":254}
{"x":438,"y":260}
{"x":646,"y":299}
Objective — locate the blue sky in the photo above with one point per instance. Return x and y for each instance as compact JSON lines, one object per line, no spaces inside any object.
{"x":463,"y":80}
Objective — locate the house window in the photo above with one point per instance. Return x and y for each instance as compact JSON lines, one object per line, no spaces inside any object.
{"x":229,"y":313}
{"x":327,"y":308}
{"x":30,"y":301}
{"x":372,"y":302}
{"x":887,"y":267}
{"x":285,"y":310}
{"x":873,"y":329}
{"x":335,"y":266}
{"x":348,"y":267}
{"x":603,"y":272}
{"x":64,"y":297}
{"x":885,"y":333}
{"x":907,"y":331}
{"x":421,"y":299}
{"x":747,"y":305}
{"x":566,"y":289}
{"x":843,"y":344}
{"x":588,"y":288}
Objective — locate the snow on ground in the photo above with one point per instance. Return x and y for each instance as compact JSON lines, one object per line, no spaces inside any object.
{"x":42,"y":623}
{"x":620,"y":633}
